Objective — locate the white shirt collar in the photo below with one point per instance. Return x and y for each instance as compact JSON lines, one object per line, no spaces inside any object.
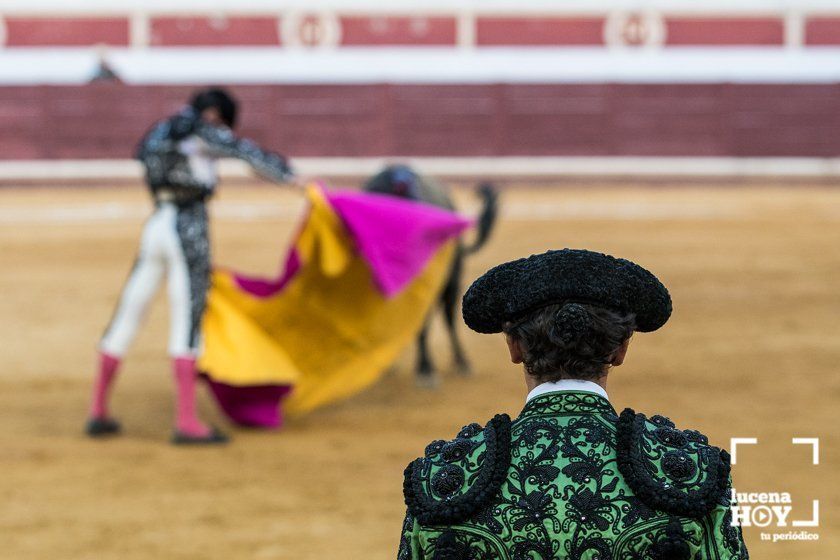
{"x":567,"y":385}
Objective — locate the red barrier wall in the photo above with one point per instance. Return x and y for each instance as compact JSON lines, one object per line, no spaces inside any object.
{"x":381,"y":29}
{"x":106,"y":120}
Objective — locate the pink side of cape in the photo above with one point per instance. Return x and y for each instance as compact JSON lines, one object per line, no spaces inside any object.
{"x":395,"y":237}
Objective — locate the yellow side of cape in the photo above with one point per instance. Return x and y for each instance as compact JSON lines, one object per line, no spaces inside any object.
{"x":330,"y":333}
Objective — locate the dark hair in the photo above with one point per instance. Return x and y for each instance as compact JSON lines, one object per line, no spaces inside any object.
{"x":570,"y":340}
{"x":216,"y":98}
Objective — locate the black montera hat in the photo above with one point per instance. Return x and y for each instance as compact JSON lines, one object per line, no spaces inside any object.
{"x":512,"y":290}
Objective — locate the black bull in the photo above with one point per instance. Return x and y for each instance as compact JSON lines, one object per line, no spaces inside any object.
{"x":437,"y":195}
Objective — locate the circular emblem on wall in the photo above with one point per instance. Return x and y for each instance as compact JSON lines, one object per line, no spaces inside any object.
{"x":310,"y":30}
{"x":634,"y":29}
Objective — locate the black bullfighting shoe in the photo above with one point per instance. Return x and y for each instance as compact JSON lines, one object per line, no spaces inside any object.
{"x":215,"y":437}
{"x":102,"y":427}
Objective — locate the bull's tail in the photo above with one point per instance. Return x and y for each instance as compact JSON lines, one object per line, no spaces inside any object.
{"x":487,"y":219}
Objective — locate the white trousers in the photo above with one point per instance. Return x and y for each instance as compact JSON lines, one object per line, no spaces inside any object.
{"x":169,"y":246}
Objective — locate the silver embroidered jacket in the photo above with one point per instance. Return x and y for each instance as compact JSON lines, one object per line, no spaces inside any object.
{"x":180,"y":153}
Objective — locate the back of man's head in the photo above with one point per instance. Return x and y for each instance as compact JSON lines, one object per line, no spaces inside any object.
{"x":219,"y":99}
{"x":570,"y":340}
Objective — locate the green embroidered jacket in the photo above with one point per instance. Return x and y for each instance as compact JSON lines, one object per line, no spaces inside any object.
{"x":571,"y":479}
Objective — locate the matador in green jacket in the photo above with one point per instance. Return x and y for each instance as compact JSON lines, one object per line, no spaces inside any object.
{"x":570,"y":478}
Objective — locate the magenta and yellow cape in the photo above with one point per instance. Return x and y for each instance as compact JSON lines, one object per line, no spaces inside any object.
{"x":359,"y":280}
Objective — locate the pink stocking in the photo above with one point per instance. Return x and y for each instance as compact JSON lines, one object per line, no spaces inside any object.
{"x":108,"y":366}
{"x":187,"y":420}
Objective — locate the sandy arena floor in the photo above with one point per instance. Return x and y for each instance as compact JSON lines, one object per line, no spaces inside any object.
{"x":751,"y":351}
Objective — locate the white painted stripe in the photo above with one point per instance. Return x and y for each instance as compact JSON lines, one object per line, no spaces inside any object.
{"x":120,"y":212}
{"x":601,"y":210}
{"x":61,"y":169}
{"x":82,"y":214}
{"x":46,"y":171}
{"x":432,"y":65}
